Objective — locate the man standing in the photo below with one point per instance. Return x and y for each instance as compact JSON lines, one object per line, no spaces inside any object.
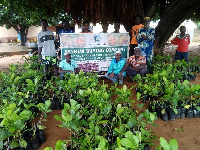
{"x":133,"y":34}
{"x":182,"y":40}
{"x":66,"y":29}
{"x":46,"y":48}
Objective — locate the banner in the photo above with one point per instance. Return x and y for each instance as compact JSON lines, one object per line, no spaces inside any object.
{"x":94,"y":52}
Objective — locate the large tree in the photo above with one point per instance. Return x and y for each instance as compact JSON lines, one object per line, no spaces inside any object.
{"x":170,"y":12}
{"x":22,"y":14}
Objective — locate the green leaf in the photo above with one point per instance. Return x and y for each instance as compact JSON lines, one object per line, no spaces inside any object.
{"x":140,"y":105}
{"x":164,"y":144}
{"x":47,"y":104}
{"x":12,"y":106}
{"x":48,"y":148}
{"x":1,"y":144}
{"x":163,"y":111}
{"x":118,"y":142}
{"x":23,"y":143}
{"x":96,"y":130}
{"x":187,"y":106}
{"x":124,"y":88}
{"x":67,"y":106}
{"x":60,"y":145}
{"x":127,"y":143}
{"x":103,"y":121}
{"x":91,"y":125}
{"x":152,"y":116}
{"x":58,"y":118}
{"x":138,"y":95}
{"x":173,"y":144}
{"x":175,"y":110}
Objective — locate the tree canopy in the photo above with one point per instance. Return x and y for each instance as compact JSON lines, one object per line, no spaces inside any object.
{"x":170,"y":12}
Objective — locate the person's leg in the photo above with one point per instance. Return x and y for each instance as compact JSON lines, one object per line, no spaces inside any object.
{"x":54,"y":65}
{"x":185,"y":56}
{"x":143,"y":72}
{"x":62,"y":75}
{"x":121,"y":80}
{"x":114,"y":79}
{"x":55,"y":70}
{"x":177,"y":55}
{"x":131,"y":73}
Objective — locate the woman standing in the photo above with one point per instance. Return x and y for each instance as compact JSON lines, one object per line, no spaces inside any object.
{"x":145,"y":38}
{"x":86,"y":26}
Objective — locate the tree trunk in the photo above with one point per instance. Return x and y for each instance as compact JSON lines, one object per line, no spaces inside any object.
{"x":23,"y":34}
{"x":170,"y":22}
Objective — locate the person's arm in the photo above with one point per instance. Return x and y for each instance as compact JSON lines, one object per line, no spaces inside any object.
{"x":139,"y":36}
{"x":140,"y":67}
{"x":76,"y":69}
{"x":151,"y":36}
{"x":60,"y":70}
{"x":39,"y":54}
{"x":39,"y":49}
{"x":174,"y":40}
{"x":188,"y":39}
{"x":121,"y":65}
{"x":110,"y":69}
{"x":123,"y":69}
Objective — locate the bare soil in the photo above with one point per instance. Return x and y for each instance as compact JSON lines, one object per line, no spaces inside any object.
{"x":185,"y":131}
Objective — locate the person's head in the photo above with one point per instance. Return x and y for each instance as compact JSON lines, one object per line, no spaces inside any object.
{"x":67,"y":56}
{"x":137,"y":51}
{"x":116,"y":27}
{"x":146,"y":22}
{"x":44,"y":23}
{"x":105,"y":27}
{"x":86,"y":25}
{"x":65,"y":24}
{"x":137,"y":20}
{"x":118,"y":55}
{"x":182,"y":29}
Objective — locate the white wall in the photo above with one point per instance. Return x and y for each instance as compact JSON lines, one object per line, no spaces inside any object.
{"x":6,"y":33}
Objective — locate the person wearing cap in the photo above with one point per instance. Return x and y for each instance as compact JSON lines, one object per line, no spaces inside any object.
{"x":67,"y":65}
{"x":115,"y":67}
{"x":145,"y":38}
{"x":136,"y":64}
{"x":116,"y":27}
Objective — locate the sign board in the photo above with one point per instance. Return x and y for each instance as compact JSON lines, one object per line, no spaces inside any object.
{"x":94,"y":52}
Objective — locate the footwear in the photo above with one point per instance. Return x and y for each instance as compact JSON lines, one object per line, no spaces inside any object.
{"x":121,"y":82}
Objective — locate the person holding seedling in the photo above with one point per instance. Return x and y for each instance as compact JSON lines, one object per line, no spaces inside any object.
{"x":115,"y":67}
{"x":67,"y":65}
{"x":46,"y":49}
{"x":182,"y":40}
{"x":136,"y":64}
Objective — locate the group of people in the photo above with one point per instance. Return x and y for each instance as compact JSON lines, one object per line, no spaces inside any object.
{"x":142,"y":38}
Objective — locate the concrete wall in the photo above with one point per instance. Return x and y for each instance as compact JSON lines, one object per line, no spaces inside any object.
{"x":12,"y":33}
